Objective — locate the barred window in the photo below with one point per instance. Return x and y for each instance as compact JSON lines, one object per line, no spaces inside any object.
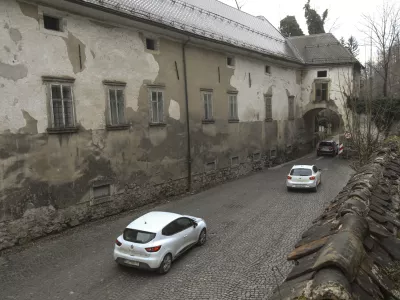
{"x":62,"y":107}
{"x":117,"y":105}
{"x":208,"y":105}
{"x":233,"y":107}
{"x":156,"y":106}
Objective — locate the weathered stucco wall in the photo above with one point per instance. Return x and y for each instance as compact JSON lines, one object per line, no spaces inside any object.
{"x":46,"y":179}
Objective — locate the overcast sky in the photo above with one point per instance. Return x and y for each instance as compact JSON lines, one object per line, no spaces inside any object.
{"x":346,"y":14}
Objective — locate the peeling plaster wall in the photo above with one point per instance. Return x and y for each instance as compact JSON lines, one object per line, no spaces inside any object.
{"x":46,"y":179}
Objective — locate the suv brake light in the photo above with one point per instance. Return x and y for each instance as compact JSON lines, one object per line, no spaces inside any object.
{"x":289,"y":177}
{"x":312,"y":177}
{"x":153,"y":249}
{"x":118,"y":243}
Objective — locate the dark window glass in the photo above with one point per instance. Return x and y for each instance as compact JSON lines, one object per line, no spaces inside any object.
{"x":171,"y":228}
{"x":51,"y":23}
{"x":322,"y":73}
{"x":326,"y":144}
{"x":301,"y":172}
{"x":137,"y":236}
{"x":150,"y":44}
{"x":184,"y":223}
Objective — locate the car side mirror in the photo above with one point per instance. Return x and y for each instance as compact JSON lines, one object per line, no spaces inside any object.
{"x":194,"y":224}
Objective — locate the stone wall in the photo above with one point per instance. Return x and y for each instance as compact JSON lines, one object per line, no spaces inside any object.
{"x":352,"y":251}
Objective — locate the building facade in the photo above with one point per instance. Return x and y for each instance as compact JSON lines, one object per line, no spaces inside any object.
{"x":108,"y":107}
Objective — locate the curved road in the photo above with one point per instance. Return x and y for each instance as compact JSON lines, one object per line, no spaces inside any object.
{"x":253,"y":224}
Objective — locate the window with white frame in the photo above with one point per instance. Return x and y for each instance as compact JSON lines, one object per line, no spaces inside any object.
{"x":62,"y":105}
{"x":233,"y":106}
{"x":208,"y":105}
{"x":116,"y":105}
{"x":156,"y":105}
{"x":268,"y":107}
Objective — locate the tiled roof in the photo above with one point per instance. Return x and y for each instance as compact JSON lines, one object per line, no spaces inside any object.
{"x":321,"y":48}
{"x":208,"y":18}
{"x":352,"y":251}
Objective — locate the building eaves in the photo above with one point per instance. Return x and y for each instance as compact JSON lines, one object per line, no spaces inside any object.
{"x":209,"y":19}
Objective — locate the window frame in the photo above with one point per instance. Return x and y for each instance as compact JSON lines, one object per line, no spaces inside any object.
{"x":157,"y":90}
{"x":115,"y":86}
{"x":318,"y":98}
{"x":268,"y":116}
{"x":231,"y":117}
{"x":210,"y":105}
{"x":53,"y":13}
{"x":321,"y":71}
{"x":51,"y":81}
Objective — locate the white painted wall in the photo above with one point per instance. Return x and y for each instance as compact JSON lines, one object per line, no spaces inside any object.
{"x":338,"y":77}
{"x":251,"y":99}
{"x":46,"y":54}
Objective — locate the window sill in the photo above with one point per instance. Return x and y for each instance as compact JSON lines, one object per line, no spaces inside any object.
{"x":118,"y":127}
{"x":62,"y":130}
{"x":208,"y":121}
{"x":233,"y":121}
{"x":157,"y":124}
{"x":269,"y":120}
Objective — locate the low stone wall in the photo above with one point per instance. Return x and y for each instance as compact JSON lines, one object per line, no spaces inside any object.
{"x":352,"y":250}
{"x":39,"y":222}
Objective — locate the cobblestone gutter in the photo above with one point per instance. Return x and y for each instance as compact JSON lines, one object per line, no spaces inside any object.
{"x":352,"y":251}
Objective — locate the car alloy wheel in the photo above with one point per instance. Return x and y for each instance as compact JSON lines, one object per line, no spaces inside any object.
{"x":202,"y":237}
{"x":166,"y":264}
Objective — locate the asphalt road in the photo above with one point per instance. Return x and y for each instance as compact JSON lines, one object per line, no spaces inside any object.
{"x":253,"y":223}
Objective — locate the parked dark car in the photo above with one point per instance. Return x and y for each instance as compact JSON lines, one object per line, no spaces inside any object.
{"x":327,"y":148}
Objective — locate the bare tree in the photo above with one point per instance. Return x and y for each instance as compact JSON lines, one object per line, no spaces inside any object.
{"x":240,"y":4}
{"x":383,"y":32}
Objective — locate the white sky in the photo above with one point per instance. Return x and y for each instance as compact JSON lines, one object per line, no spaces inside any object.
{"x":347,"y":12}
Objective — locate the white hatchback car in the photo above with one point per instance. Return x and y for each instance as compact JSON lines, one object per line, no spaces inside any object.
{"x":304,"y":177}
{"x":155,"y":239}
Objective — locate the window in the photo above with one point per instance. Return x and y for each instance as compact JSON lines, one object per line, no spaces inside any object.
{"x":101,"y":191}
{"x":208,"y":107}
{"x":151,"y":44}
{"x":322,"y":73}
{"x":256,"y":156}
{"x":233,"y":108}
{"x":138,"y":236}
{"x":210,"y":166}
{"x":52,"y":23}
{"x":156,"y":106}
{"x":267,"y":69}
{"x":321,"y":91}
{"x":235,"y":161}
{"x":184,"y":223}
{"x":272,"y":153}
{"x":230,"y":61}
{"x":315,"y":169}
{"x":116,"y":102}
{"x":268,"y":107}
{"x":291,"y":107}
{"x":62,"y":108}
{"x":301,"y":172}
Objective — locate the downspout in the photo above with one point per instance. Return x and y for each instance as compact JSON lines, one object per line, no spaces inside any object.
{"x":189,"y":154}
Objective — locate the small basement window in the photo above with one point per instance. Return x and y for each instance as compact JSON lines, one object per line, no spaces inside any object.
{"x":267,"y":69}
{"x":256,"y":156}
{"x":272,"y":153}
{"x":101,"y":191}
{"x":150,"y":44}
{"x":230,"y":61}
{"x":210,"y":166}
{"x":52,"y":23}
{"x":234,"y":161}
{"x":322,"y":73}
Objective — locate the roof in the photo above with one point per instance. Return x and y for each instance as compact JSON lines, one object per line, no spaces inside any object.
{"x":352,"y":250}
{"x":209,"y":19}
{"x":321,"y":48}
{"x":153,"y":221}
{"x":302,"y":166}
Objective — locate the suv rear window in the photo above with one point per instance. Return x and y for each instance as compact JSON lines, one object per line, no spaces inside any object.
{"x":325,"y":144}
{"x":137,"y":236}
{"x":301,"y":172}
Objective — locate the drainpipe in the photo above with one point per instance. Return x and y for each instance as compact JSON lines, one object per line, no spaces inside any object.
{"x":189,"y":154}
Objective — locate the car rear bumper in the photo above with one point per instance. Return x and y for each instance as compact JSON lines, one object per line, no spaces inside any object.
{"x":301,"y":185}
{"x":326,"y":152}
{"x":152,"y":262}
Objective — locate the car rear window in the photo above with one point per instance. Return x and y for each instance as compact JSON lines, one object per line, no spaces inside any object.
{"x":301,"y":172}
{"x":325,"y":144}
{"x":137,"y":236}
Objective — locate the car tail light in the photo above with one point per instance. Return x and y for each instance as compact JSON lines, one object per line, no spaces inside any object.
{"x":312,"y":177}
{"x":289,"y":177}
{"x":118,"y":243}
{"x":153,"y":249}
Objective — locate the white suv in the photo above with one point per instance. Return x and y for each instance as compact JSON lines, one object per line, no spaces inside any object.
{"x":155,"y":239}
{"x":304,"y":177}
